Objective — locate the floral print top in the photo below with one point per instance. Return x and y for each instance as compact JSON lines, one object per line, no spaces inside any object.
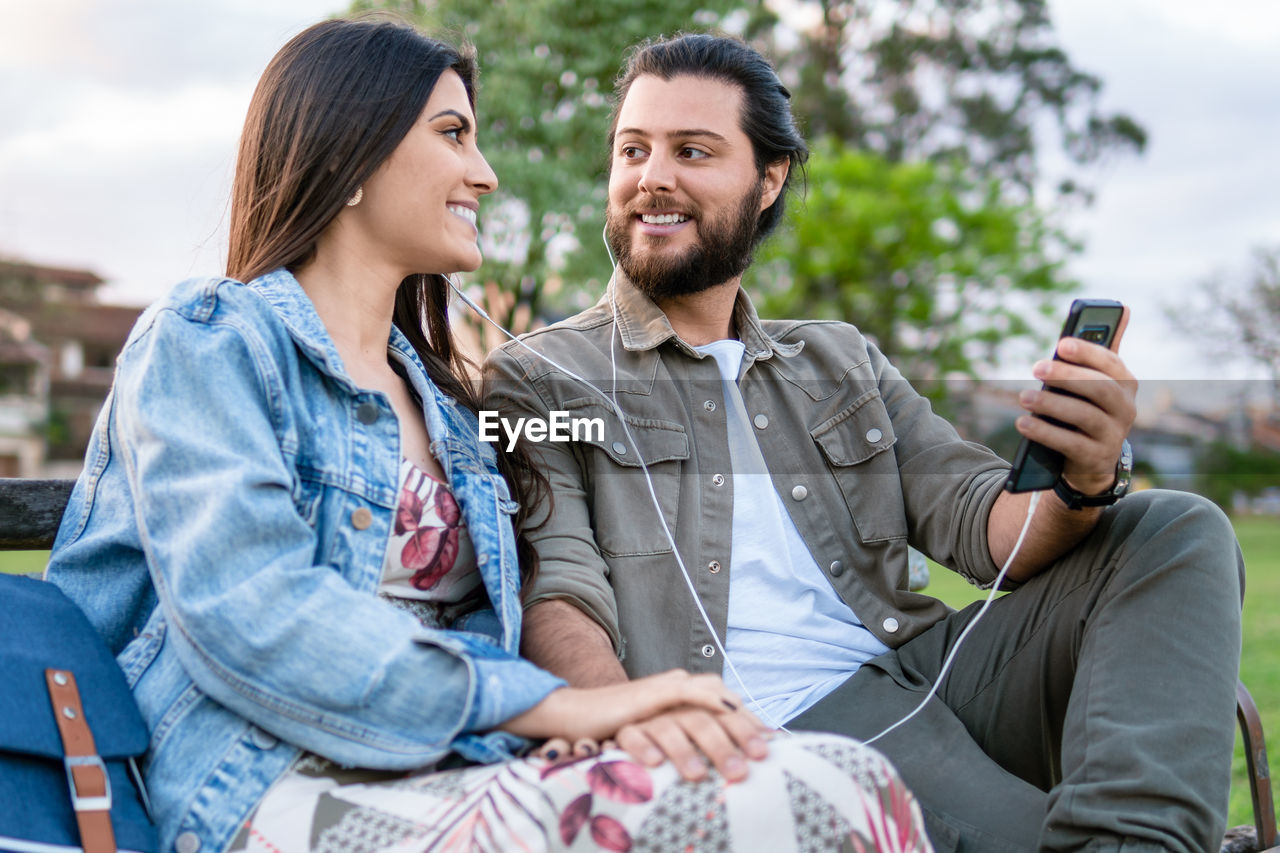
{"x":430,"y":564}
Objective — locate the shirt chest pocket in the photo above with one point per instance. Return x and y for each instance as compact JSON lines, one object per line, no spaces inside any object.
{"x":615,"y":460}
{"x":857,"y":444}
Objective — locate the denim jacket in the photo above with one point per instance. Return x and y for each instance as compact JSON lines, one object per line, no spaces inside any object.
{"x":227,"y":536}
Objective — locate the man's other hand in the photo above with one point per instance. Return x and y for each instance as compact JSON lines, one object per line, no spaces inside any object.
{"x":690,"y":737}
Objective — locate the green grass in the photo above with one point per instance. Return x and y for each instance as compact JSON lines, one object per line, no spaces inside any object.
{"x":1259,"y":664}
{"x":1259,"y":661}
{"x":23,"y":562}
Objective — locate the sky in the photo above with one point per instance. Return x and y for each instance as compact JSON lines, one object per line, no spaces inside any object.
{"x":121,"y":117}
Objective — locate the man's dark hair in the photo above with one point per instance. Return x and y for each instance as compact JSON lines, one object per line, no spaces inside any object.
{"x":766,"y":104}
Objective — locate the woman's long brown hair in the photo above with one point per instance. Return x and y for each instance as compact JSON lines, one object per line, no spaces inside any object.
{"x":330,"y":108}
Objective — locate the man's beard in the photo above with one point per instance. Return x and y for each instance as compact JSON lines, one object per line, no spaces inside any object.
{"x":723,"y":251}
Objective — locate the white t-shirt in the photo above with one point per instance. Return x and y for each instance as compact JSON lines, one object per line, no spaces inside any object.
{"x":791,"y":637}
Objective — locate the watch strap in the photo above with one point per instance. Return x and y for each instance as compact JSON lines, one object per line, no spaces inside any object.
{"x":1079,"y":500}
{"x":1075,"y":499}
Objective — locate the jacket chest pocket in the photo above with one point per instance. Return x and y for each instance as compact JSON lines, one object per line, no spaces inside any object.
{"x":857,"y":443}
{"x":615,"y":462}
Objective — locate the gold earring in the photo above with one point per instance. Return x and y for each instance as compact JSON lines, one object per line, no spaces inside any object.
{"x":356,"y":196}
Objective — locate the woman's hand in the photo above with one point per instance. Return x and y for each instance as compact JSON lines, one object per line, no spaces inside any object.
{"x":688,"y":718}
{"x":598,"y":713}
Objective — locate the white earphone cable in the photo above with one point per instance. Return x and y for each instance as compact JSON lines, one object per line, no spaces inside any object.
{"x":955,"y":648}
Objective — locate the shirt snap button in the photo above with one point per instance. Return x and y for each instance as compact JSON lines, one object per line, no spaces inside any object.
{"x":761,"y":421}
{"x":710,"y":405}
{"x":361,"y":518}
{"x":837,"y":568}
{"x":619,"y":448}
{"x":799,"y":493}
{"x":367,"y":413}
{"x":717,"y":479}
{"x":890,"y":625}
{"x":874,"y":435}
{"x":708,"y":651}
{"x":713,"y":566}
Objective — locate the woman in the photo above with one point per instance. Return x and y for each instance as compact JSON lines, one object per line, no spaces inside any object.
{"x":303,"y":556}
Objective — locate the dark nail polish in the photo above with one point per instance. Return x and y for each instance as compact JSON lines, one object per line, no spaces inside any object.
{"x":729,"y":705}
{"x":552,"y":754}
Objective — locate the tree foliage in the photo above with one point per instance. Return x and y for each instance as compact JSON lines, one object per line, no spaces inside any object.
{"x":937,"y":267}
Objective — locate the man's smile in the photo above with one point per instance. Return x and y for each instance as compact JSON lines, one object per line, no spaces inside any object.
{"x":662,"y":223}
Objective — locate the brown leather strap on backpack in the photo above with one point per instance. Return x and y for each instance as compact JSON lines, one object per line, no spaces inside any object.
{"x":86,"y":774}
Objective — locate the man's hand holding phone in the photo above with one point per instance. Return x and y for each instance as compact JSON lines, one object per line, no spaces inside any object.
{"x":1085,"y":409}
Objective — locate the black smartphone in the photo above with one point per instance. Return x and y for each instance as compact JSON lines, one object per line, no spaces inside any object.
{"x":1099,"y":321}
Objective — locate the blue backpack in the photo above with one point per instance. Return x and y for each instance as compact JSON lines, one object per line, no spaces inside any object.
{"x":70,"y":731}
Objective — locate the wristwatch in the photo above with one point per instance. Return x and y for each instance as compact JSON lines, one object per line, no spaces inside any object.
{"x":1124,"y":473}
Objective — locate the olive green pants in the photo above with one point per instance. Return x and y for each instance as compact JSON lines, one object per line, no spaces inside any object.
{"x":1093,"y":708}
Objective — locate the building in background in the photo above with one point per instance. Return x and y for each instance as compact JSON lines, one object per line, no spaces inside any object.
{"x":58,"y":348}
{"x":24,"y":398}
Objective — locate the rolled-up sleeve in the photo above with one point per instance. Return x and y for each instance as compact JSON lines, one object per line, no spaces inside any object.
{"x":949,"y":484}
{"x":259,"y":626}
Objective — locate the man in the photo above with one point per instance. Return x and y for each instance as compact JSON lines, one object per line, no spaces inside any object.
{"x":792,"y":465}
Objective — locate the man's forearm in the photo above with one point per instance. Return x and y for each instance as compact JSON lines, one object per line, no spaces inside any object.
{"x":1054,"y":531}
{"x":562,"y":639}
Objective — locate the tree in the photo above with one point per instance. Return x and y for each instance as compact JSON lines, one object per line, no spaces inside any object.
{"x":945,"y":80}
{"x":936,"y":267}
{"x":1237,"y":320}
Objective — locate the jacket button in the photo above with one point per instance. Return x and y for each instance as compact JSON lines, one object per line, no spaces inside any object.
{"x":874,"y":435}
{"x":761,"y":421}
{"x":187,"y":842}
{"x":890,"y":625}
{"x":714,"y":567}
{"x":837,"y":568}
{"x":367,"y":413}
{"x":361,"y":518}
{"x":263,"y":740}
{"x":717,"y":479}
{"x":619,"y":448}
{"x":708,"y":651}
{"x":799,"y":493}
{"x":710,"y":405}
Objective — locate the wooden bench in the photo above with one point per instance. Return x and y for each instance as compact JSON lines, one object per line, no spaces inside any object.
{"x":30,"y":511}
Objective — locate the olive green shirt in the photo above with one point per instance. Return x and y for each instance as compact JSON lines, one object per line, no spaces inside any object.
{"x":863,"y":465}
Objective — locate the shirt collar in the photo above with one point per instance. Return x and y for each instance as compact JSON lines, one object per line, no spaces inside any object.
{"x":642,"y":325}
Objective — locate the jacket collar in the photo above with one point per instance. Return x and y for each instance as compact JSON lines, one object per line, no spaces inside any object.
{"x":295,"y":310}
{"x":642,"y":325}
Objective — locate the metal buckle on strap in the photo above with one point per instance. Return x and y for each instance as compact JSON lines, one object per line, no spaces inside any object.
{"x":88,"y":804}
